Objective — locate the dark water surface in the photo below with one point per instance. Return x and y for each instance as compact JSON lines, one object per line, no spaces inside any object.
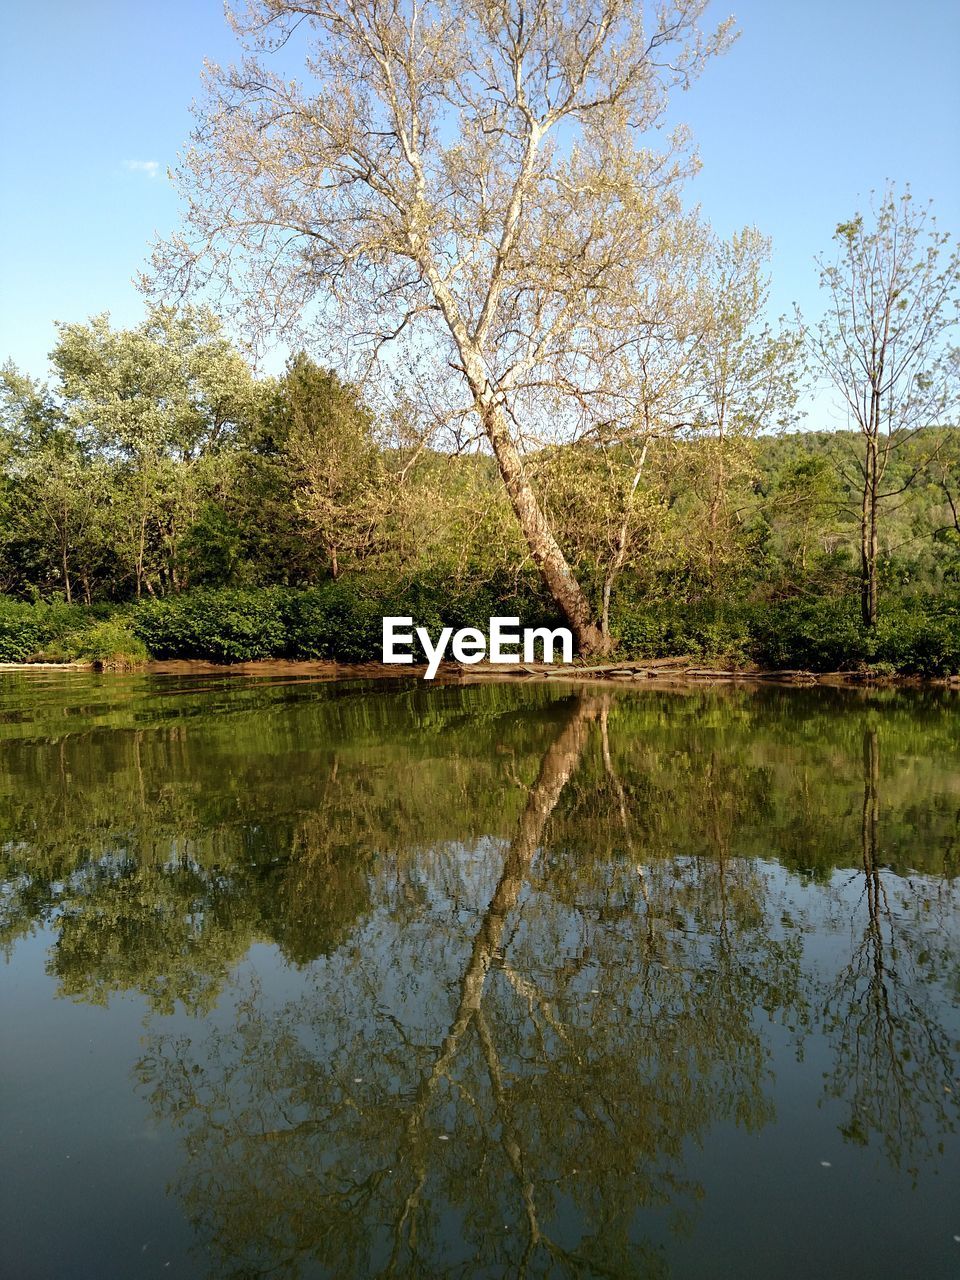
{"x":309,"y":979}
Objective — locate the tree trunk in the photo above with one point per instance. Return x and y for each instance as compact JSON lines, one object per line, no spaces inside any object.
{"x":140,"y":552}
{"x":64,"y":552}
{"x":558,"y":765}
{"x":871,"y":801}
{"x":868,"y":538}
{"x":605,"y":607}
{"x":544,"y":548}
{"x":620,"y":553}
{"x":874,"y":513}
{"x":66,"y":572}
{"x":713,"y":518}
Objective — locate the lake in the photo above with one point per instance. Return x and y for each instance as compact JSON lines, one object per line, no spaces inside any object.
{"x":517,"y":979}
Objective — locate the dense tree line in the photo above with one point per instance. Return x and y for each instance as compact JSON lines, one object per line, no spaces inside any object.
{"x":688,"y":518}
{"x":156,"y":461}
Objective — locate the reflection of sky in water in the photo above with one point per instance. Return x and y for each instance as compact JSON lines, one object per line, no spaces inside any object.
{"x":660,"y":1057}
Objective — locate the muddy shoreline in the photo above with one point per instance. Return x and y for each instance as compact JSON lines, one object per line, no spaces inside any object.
{"x":659,"y":672}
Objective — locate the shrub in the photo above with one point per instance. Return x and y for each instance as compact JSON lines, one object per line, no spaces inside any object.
{"x":700,"y":631}
{"x":639,"y":632}
{"x":473,"y":604}
{"x":111,"y":646}
{"x":920,"y":641}
{"x":22,"y":631}
{"x":335,"y":622}
{"x":27,"y":630}
{"x":341,"y":621}
{"x":228,"y":625}
{"x":820,"y":635}
{"x":826,"y":635}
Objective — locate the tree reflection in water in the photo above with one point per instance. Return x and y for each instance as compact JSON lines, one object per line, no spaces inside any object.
{"x":895,"y":1063}
{"x":534,"y":939}
{"x":582,"y":1049}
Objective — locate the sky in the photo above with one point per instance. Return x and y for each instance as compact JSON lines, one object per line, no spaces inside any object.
{"x":816,"y":105}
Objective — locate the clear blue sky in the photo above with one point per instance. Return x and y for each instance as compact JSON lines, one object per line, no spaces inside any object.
{"x":816,"y":104}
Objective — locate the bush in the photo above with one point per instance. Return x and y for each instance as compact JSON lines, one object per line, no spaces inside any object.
{"x":820,"y":635}
{"x":639,"y":632}
{"x":699,"y":631}
{"x":22,"y":632}
{"x":341,"y":621}
{"x":335,"y":622}
{"x":921,"y":641}
{"x":473,"y":604}
{"x":26,"y":630}
{"x":228,"y":625}
{"x":111,"y":646}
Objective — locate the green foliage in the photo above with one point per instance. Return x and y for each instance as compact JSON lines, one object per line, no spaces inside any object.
{"x":281,"y":517}
{"x":701,"y":631}
{"x":22,"y":631}
{"x":334,"y":460}
{"x":341,"y":622}
{"x":68,"y":633}
{"x":334,"y":622}
{"x":229,"y":625}
{"x":26,"y":630}
{"x":820,"y":635}
{"x":916,"y":638}
{"x":471,"y":603}
{"x":110,"y":645}
{"x":922,"y":640}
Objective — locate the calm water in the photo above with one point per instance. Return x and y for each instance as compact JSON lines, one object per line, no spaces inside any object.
{"x":306,"y":979}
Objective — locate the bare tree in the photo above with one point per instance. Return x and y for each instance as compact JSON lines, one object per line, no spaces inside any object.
{"x":893,"y":296}
{"x":461,"y":178}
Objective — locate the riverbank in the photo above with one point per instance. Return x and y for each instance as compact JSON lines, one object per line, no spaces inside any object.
{"x":658,"y":672}
{"x":338,"y":623}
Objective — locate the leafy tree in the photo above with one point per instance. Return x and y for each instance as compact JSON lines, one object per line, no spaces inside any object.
{"x":52,"y":493}
{"x":946,"y":469}
{"x":803,"y":509}
{"x":163,"y":398}
{"x":893,"y":294}
{"x":746,"y":377}
{"x":485,"y":200}
{"x":713,"y":374}
{"x":339,"y":475}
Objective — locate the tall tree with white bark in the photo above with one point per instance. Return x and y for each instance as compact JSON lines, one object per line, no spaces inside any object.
{"x":464,"y":180}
